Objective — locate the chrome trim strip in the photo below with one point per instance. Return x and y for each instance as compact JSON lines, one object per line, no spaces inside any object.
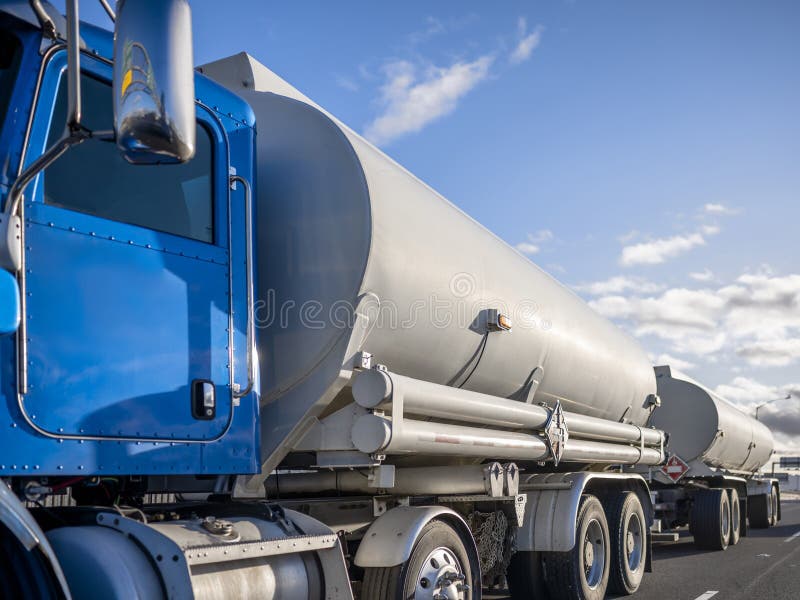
{"x":248,"y":228}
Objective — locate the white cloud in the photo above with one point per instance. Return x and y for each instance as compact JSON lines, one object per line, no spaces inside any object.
{"x":411,"y":100}
{"x":719,"y":209}
{"x":527,"y":248}
{"x":434,"y":27}
{"x":619,"y":284}
{"x":541,"y":236}
{"x":630,"y":236}
{"x":527,"y":43}
{"x":763,"y":315}
{"x":770,"y":353}
{"x":704,"y":275}
{"x":416,"y":92}
{"x":346,"y":83}
{"x":757,"y":317}
{"x":672,"y":361}
{"x":781,"y":414}
{"x":667,"y":315}
{"x":534,"y":242}
{"x":660,"y":250}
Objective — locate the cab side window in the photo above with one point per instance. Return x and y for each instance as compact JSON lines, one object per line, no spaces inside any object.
{"x":93,"y":177}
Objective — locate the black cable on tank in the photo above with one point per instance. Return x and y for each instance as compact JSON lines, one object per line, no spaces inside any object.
{"x":477,"y":361}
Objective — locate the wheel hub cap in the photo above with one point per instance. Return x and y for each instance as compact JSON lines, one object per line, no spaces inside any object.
{"x":588,"y":554}
{"x":594,"y":554}
{"x":441,"y":577}
{"x":634,"y":542}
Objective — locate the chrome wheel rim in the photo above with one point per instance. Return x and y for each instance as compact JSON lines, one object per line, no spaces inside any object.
{"x":634,"y":542}
{"x":594,"y":554}
{"x":773,"y":503}
{"x":726,"y":520}
{"x":441,"y":577}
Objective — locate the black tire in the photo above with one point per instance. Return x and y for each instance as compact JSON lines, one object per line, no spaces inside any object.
{"x":525,"y":577}
{"x":758,"y":511}
{"x":400,"y":582}
{"x":628,"y":532}
{"x":736,"y":516}
{"x":773,"y":505}
{"x":565,"y":572}
{"x":710,"y":521}
{"x":24,"y":573}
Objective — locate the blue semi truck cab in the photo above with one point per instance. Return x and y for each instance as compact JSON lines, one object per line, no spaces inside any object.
{"x":133,"y":285}
{"x":124,"y":359}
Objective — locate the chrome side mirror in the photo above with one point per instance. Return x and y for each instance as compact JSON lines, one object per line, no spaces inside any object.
{"x":154,"y":116}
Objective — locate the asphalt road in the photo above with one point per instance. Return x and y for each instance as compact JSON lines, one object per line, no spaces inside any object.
{"x":763,"y":565}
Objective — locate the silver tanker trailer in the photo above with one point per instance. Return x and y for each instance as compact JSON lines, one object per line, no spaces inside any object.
{"x":710,"y":480}
{"x":427,"y":391}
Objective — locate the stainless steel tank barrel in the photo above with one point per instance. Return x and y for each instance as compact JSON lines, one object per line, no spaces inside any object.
{"x":704,"y":427}
{"x":350,"y":237}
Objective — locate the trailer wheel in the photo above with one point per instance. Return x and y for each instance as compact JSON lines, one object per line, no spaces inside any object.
{"x":758,"y":511}
{"x":440,"y":566}
{"x":711,"y":519}
{"x":525,"y":576}
{"x":773,"y":505}
{"x":628,"y":532}
{"x":582,"y":573}
{"x":736,"y":516}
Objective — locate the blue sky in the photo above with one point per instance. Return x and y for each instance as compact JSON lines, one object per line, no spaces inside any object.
{"x":645,"y":153}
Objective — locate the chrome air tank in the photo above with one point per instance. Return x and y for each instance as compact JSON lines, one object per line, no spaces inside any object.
{"x":340,"y":225}
{"x":704,"y":427}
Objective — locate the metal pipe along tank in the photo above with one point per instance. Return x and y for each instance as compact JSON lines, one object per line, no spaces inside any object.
{"x":448,"y":480}
{"x":376,"y":434}
{"x":376,"y":388}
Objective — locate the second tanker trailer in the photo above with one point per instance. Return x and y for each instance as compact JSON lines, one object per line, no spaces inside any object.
{"x":710,"y":480}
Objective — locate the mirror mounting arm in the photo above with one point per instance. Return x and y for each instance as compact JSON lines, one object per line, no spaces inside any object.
{"x":48,"y":26}
{"x":10,"y":246}
{"x":109,"y":11}
{"x":73,"y":67}
{"x":10,"y":242}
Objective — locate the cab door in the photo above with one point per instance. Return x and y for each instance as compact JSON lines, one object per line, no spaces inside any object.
{"x":126,"y":281}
